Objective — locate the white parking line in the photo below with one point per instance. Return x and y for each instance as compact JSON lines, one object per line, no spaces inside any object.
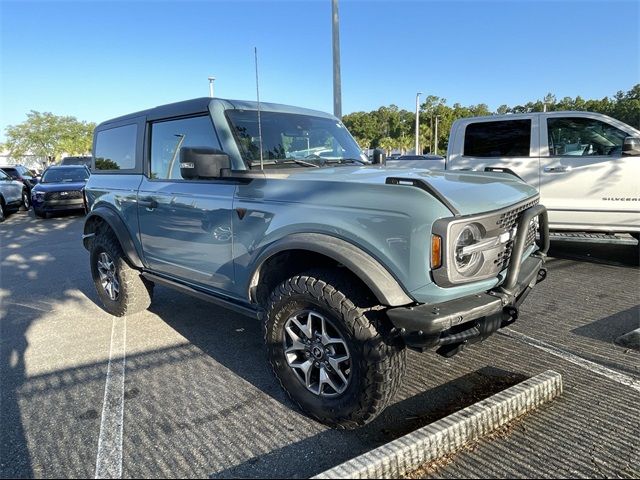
{"x":570,"y":357}
{"x":109,"y":459}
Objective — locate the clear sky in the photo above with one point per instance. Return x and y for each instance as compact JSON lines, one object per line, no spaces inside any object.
{"x":96,"y":60}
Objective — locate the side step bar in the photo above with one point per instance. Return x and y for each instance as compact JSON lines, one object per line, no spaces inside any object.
{"x":244,"y":309}
{"x":593,"y":237}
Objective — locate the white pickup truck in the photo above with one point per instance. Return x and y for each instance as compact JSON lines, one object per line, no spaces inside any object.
{"x":585,"y":165}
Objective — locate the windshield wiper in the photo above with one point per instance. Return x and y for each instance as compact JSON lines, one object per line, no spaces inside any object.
{"x":298,"y":161}
{"x":281,"y":161}
{"x":347,"y":160}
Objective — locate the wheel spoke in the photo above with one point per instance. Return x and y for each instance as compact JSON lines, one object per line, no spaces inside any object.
{"x":305,"y":329}
{"x":296,"y":341}
{"x":335,"y":364}
{"x":305,"y":368}
{"x":325,"y":379}
{"x":326,"y":341}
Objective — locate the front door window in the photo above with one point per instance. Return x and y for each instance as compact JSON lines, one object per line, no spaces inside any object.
{"x":573,"y":136}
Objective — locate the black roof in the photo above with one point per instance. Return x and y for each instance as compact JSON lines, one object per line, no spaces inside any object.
{"x":201,"y":105}
{"x":185,"y":107}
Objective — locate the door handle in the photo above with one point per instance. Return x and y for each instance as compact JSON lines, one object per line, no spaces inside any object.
{"x":560,"y":169}
{"x":148,"y":203}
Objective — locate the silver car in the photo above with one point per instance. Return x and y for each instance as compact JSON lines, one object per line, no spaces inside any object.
{"x":10,"y":195}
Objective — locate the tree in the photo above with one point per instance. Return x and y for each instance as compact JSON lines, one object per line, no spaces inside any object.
{"x":387,"y":144}
{"x":49,"y":135}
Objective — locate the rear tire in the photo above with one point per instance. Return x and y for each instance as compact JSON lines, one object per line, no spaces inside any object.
{"x":2,"y":210}
{"x":376,"y":364}
{"x":121,"y":288}
{"x":26,"y":201}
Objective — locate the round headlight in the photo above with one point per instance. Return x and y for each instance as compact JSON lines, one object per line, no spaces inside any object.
{"x":466,"y":264}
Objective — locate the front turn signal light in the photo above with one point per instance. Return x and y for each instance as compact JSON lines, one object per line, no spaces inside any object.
{"x":436,"y":251}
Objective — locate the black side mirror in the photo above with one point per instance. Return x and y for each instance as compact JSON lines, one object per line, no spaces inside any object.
{"x":379,"y":157}
{"x":631,"y":146}
{"x":203,"y":162}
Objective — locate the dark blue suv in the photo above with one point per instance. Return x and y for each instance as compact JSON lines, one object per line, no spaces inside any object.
{"x":61,"y":188}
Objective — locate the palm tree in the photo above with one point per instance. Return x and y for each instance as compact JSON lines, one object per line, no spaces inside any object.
{"x":387,"y":144}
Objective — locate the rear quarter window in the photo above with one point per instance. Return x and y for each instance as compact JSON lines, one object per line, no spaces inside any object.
{"x":115,"y":148}
{"x":510,"y":138}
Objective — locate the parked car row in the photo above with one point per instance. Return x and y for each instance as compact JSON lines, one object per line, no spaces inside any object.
{"x":60,"y":188}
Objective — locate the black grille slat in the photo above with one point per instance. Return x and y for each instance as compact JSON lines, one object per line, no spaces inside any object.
{"x":71,"y":195}
{"x":507,"y":221}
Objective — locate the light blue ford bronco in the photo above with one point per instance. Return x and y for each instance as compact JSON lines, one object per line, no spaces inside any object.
{"x":274,"y":212}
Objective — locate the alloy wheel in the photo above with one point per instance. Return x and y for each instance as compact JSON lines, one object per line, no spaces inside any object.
{"x":108,"y":276}
{"x":317,"y":353}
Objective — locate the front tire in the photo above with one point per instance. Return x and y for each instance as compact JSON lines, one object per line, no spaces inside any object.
{"x":26,"y":201}
{"x":121,"y":288}
{"x":335,"y":360}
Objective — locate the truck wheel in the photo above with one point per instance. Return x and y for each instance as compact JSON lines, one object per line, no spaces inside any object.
{"x":121,"y":288}
{"x":336,"y":361}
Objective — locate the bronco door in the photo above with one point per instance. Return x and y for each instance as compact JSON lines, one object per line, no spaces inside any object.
{"x":185,"y":225}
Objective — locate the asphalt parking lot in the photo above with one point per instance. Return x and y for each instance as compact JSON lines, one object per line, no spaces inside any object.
{"x":200,"y":400}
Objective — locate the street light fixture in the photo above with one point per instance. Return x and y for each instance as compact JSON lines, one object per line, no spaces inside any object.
{"x":211,"y":80}
{"x":417,"y":121}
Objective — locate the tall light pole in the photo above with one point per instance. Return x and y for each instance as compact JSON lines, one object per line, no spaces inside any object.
{"x":431,"y":135}
{"x":211,"y":80}
{"x":435,"y":149}
{"x":418,"y":121}
{"x":337,"y":88}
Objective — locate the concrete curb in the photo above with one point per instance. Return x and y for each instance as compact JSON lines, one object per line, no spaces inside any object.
{"x":410,"y":452}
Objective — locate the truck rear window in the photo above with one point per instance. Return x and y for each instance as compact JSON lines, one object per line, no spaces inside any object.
{"x":510,"y":138}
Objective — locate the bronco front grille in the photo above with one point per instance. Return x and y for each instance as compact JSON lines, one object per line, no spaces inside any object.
{"x":508,"y":221}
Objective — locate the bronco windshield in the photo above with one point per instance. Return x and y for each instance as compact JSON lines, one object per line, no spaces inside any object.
{"x":65,"y":175}
{"x":292,"y":139}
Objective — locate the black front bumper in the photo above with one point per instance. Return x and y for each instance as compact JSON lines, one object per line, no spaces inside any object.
{"x":452,"y":325}
{"x":59,"y":205}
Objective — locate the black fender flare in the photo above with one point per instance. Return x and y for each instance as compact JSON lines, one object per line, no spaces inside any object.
{"x":382,"y":283}
{"x":111,"y":218}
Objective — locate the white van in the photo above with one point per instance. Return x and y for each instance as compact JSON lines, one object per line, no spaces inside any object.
{"x":586,"y":165}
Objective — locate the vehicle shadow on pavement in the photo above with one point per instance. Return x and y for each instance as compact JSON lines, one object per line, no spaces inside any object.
{"x":609,"y":328}
{"x":236,"y":343}
{"x":606,"y":254}
{"x":26,"y":272}
{"x":398,"y":419}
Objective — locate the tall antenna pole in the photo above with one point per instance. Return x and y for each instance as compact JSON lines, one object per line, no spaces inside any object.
{"x":255,"y":51}
{"x":337,"y":89}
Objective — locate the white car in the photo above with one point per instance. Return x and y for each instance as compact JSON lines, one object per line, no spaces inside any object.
{"x":585,"y":165}
{"x":10,"y":195}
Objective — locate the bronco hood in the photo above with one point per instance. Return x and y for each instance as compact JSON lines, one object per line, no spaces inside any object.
{"x":467,"y":193}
